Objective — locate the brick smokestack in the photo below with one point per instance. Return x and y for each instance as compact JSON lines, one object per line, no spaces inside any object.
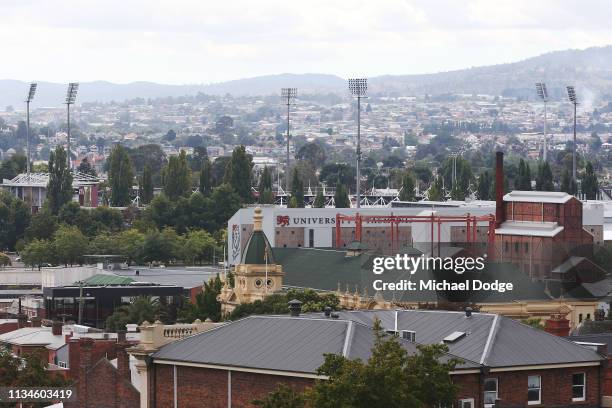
{"x":36,"y":321}
{"x":500,"y":215}
{"x":557,"y":325}
{"x":22,"y":320}
{"x":123,"y":361}
{"x":85,"y":346}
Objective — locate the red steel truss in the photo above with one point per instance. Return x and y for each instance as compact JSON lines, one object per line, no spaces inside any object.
{"x":394,"y":221}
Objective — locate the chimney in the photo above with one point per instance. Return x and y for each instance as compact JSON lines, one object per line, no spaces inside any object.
{"x":557,"y":325}
{"x":121,"y":336}
{"x":468,"y":312}
{"x":85,"y":345}
{"x":123,"y":361}
{"x":56,"y":328}
{"x":295,"y":307}
{"x":22,"y":320}
{"x":327,"y":310}
{"x":35,"y":321}
{"x":499,"y":190}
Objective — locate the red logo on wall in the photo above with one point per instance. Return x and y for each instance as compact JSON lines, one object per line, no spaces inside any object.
{"x":282,"y":220}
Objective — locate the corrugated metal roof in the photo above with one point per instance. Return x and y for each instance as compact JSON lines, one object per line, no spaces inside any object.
{"x":280,"y":343}
{"x":492,"y":340}
{"x":107,"y":279}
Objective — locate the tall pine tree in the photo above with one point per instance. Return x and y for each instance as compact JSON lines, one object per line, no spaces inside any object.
{"x":238,"y":174}
{"x":177,"y":177}
{"x":265,"y":187}
{"x":297,"y":188}
{"x":590,"y":184}
{"x":407,"y":193}
{"x":341,"y":198}
{"x":121,"y":176}
{"x":544,"y":179}
{"x":206,"y":177}
{"x":146,"y":185}
{"x":59,"y":188}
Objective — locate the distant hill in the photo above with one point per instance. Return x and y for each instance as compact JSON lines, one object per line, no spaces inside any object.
{"x":590,"y":70}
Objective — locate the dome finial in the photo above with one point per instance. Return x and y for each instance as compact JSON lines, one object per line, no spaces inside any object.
{"x":257,"y":219}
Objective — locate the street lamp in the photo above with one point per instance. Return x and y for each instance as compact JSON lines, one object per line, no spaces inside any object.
{"x":30,"y":97}
{"x":73,"y":87}
{"x":358,"y":87}
{"x":543,"y":94}
{"x":288,"y":95}
{"x":571,"y":94}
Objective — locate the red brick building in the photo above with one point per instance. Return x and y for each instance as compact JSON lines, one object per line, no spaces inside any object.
{"x":504,"y":362}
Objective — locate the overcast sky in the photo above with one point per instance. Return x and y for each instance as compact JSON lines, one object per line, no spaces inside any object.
{"x":203,"y":41}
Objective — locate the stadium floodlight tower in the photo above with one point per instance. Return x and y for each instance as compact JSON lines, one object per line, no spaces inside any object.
{"x":358,"y":87}
{"x":30,"y":97}
{"x":73,"y":88}
{"x":543,"y":94}
{"x":571,"y":94}
{"x":288,"y":95}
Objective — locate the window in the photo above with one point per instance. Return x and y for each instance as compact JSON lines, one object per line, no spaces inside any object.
{"x":409,"y":335}
{"x":466,"y":403}
{"x":534,"y":389}
{"x":526,"y":247}
{"x":578,"y":387}
{"x":490,"y":392}
{"x":506,"y":246}
{"x":516,"y":247}
{"x":311,"y":238}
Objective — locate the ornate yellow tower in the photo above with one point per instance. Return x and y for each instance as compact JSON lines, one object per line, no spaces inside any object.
{"x":257,"y":275}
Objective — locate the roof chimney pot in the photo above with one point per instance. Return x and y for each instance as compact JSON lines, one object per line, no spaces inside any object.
{"x":295,"y":307}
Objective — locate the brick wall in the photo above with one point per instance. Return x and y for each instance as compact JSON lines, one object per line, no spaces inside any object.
{"x":198,"y":387}
{"x":556,"y":388}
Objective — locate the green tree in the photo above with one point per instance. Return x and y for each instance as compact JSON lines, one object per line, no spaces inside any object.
{"x":206,"y":305}
{"x":38,"y":252}
{"x":147,"y":189}
{"x":319,"y":201}
{"x":568,"y":185}
{"x":341,"y":198}
{"x":197,"y":246}
{"x":105,"y":244}
{"x":238,"y":174}
{"x":590,"y":184}
{"x":177,"y":177}
{"x":42,"y":226}
{"x":265,"y":187}
{"x":141,"y":309}
{"x":69,"y":245}
{"x":523,"y":180}
{"x":484,"y":187}
{"x":131,"y":244}
{"x":206,"y":183}
{"x":86,"y":168}
{"x":389,"y":378}
{"x":407,"y":193}
{"x":284,"y":397}
{"x":544,"y":178}
{"x":14,"y":220}
{"x":161,"y":246}
{"x":59,"y":189}
{"x":298,"y":189}
{"x":121,"y":176}
{"x":27,"y":370}
{"x":313,"y":153}
{"x":435,"y":192}
{"x":222,"y":205}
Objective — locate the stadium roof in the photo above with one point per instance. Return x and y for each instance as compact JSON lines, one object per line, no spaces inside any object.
{"x":42,"y":179}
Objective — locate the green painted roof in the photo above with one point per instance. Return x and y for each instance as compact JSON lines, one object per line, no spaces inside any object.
{"x":323,"y":269}
{"x":256,"y":248}
{"x":103,"y":280}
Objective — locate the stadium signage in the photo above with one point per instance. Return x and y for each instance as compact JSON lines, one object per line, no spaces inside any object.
{"x":287,"y":221}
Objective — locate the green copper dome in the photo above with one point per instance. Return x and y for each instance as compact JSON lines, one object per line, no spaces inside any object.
{"x":257,"y":249}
